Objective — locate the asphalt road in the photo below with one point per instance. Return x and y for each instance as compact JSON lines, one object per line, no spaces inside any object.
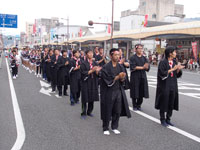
{"x":52,"y":124}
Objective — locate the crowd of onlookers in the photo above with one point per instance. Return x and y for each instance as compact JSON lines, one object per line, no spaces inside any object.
{"x":190,"y":63}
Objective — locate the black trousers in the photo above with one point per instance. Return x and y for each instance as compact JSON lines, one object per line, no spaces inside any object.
{"x":137,"y":102}
{"x":76,"y":96}
{"x":87,"y":108}
{"x":115,"y":111}
{"x":14,"y":71}
{"x":167,"y":115}
{"x":59,"y":90}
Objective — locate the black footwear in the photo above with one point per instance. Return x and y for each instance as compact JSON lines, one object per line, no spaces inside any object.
{"x":72,"y":103}
{"x":135,"y":108}
{"x":91,"y":115}
{"x":164,"y":124}
{"x":139,"y":108}
{"x":83,"y":117}
{"x":169,"y":123}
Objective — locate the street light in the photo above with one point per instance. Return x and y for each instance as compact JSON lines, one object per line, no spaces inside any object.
{"x":91,"y":23}
{"x":67,"y":29}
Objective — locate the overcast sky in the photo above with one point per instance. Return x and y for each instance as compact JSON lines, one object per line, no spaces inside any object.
{"x":79,"y":11}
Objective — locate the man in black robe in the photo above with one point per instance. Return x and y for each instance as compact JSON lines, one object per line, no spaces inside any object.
{"x":96,"y":53}
{"x":55,"y":60}
{"x":101,"y":58}
{"x":167,"y":87}
{"x":89,"y":84}
{"x":63,"y":74}
{"x":113,"y":98}
{"x":138,"y":82}
{"x":125,"y":64}
{"x":75,"y":77}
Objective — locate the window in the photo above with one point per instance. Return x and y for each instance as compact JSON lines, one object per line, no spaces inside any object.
{"x":154,"y":16}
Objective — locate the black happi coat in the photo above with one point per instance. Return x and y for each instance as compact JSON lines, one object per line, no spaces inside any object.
{"x":127,"y":82}
{"x":98,"y":58}
{"x":107,"y":75}
{"x":136,"y":75}
{"x":163,"y":86}
{"x":55,"y":68}
{"x":74,"y":76}
{"x":63,"y":72}
{"x":89,"y":83}
{"x":48,"y":67}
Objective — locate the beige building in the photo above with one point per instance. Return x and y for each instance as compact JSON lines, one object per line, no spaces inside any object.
{"x":157,"y":10}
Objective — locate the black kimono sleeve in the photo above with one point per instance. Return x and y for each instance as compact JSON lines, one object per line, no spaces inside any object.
{"x":132,"y":64}
{"x":163,"y":70}
{"x":84,"y":72}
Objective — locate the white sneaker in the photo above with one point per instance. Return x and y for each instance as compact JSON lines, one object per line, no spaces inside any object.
{"x":30,"y":71}
{"x":17,"y":76}
{"x":58,"y":96}
{"x":14,"y":77}
{"x":35,"y":74}
{"x":53,"y":92}
{"x":106,"y":132}
{"x":116,"y":131}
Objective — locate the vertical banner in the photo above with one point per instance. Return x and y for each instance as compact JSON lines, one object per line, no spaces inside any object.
{"x":109,"y":28}
{"x":146,"y":20}
{"x":194,"y":48}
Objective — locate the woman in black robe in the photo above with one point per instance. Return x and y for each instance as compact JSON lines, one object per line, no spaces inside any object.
{"x":138,"y":82}
{"x":89,"y":84}
{"x":113,"y":98}
{"x":167,"y":87}
{"x":75,"y":77}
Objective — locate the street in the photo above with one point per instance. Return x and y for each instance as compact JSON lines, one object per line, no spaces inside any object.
{"x":52,"y":124}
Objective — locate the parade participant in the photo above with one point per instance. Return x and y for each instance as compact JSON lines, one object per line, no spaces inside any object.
{"x":101,"y":58}
{"x":43,"y":63}
{"x":96,"y":53}
{"x":47,"y":61}
{"x":32,"y":61}
{"x":82,"y":57}
{"x":89,"y":84}
{"x":167,"y":98}
{"x":113,"y":99}
{"x":63,"y":73}
{"x":37,"y":63}
{"x":138,"y":80}
{"x":55,"y":60}
{"x":75,"y":77}
{"x":125,"y":64}
{"x":13,"y":65}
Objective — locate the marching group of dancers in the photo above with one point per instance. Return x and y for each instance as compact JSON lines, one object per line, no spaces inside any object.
{"x":85,"y":71}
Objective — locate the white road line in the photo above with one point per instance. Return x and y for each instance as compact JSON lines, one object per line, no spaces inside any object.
{"x":184,"y":133}
{"x":18,"y":118}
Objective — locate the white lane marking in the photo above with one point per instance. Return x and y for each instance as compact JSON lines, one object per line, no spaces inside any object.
{"x":18,"y":118}
{"x":152,"y":82}
{"x":184,"y":133}
{"x":44,"y":91}
{"x":43,"y":84}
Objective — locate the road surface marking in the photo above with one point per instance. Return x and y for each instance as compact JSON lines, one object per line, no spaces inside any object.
{"x":182,"y":86}
{"x":184,"y":133}
{"x":18,"y":118}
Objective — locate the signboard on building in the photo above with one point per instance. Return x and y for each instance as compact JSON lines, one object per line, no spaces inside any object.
{"x":8,"y":21}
